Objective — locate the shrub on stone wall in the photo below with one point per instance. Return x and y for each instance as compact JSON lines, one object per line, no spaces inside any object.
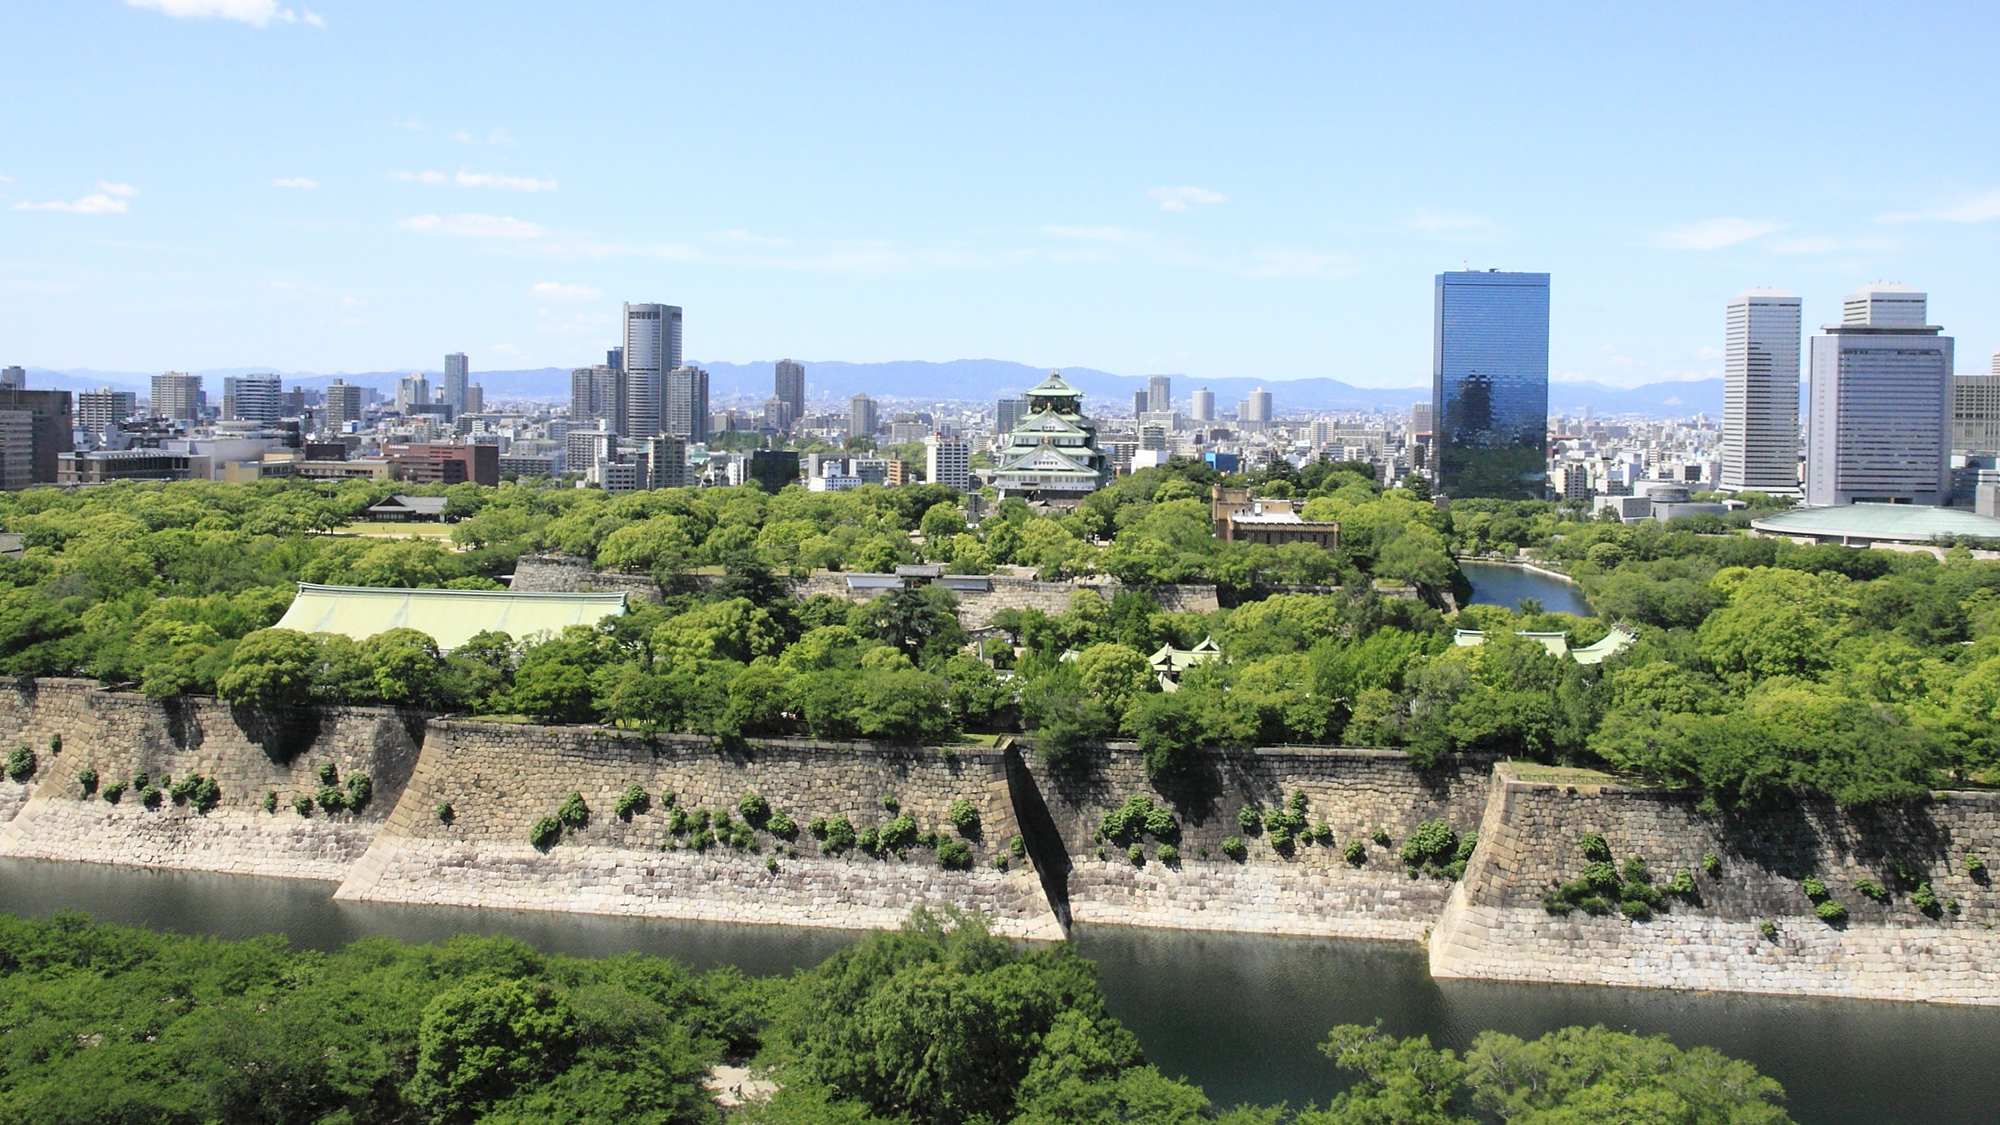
{"x":899,"y":833}
{"x":86,"y":779}
{"x":954,"y":855}
{"x":180,"y":790}
{"x":207,"y":794}
{"x":573,"y":812}
{"x":964,"y":816}
{"x":1975,"y":865}
{"x":1018,"y":847}
{"x":1831,"y":912}
{"x":1249,"y":820}
{"x":270,"y":801}
{"x":1235,"y":848}
{"x":1167,"y":854}
{"x":546,"y":831}
{"x":1381,"y":837}
{"x":332,"y":798}
{"x":1813,"y":887}
{"x":329,"y":774}
{"x":631,"y":802}
{"x":1682,"y":884}
{"x":20,"y":763}
{"x":755,"y":809}
{"x":150,"y":796}
{"x":360,"y":790}
{"x":445,"y":813}
{"x":837,"y":835}
{"x":1769,"y":929}
{"x":1355,"y":852}
{"x":113,"y":791}
{"x":140,"y":781}
{"x":1136,"y":855}
{"x":1925,"y":899}
{"x":782,"y":826}
{"x":1711,"y":863}
{"x":302,"y":804}
{"x":1594,"y":848}
{"x":1430,"y":846}
{"x":1869,"y":888}
{"x":869,"y":841}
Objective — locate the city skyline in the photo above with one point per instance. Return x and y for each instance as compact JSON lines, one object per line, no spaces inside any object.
{"x":378,"y":203}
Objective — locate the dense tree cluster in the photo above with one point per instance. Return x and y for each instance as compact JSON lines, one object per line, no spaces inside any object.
{"x":939,"y":1024}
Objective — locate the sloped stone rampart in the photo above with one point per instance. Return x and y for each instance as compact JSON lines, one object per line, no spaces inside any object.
{"x":120,"y":734}
{"x":498,"y":779}
{"x":1494,"y":926}
{"x":1313,"y":890}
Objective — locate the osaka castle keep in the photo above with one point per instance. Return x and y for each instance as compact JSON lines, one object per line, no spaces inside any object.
{"x":1052,"y":456}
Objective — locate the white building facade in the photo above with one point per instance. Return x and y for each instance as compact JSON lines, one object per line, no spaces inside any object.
{"x":1760,"y":396}
{"x":1880,"y":404}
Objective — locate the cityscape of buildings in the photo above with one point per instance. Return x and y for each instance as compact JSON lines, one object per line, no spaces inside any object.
{"x":1886,"y":421}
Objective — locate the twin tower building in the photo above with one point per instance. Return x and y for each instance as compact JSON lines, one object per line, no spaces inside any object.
{"x":1879,"y":400}
{"x":644,"y":390}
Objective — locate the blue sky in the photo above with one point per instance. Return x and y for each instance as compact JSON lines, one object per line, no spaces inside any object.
{"x":1211,"y":190}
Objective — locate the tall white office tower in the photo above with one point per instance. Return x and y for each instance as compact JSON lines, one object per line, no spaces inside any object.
{"x":457,"y":373}
{"x":652,"y":351}
{"x":1258,"y":407}
{"x":1160,"y":393}
{"x":861,"y":416}
{"x":412,"y":390}
{"x":253,"y":398}
{"x":948,"y":461}
{"x":790,"y":386}
{"x":14,"y":378}
{"x":177,"y":395}
{"x":684,"y":403}
{"x":1760,"y":392}
{"x":597,"y":398}
{"x":1204,"y":405}
{"x":1880,"y":398}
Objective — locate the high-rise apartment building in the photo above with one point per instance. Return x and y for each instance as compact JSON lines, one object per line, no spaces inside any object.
{"x":475,"y":399}
{"x":457,"y":376}
{"x":652,"y":352}
{"x":597,"y":398}
{"x":51,"y":430}
{"x":790,"y":386}
{"x":1490,"y":383}
{"x":1007,"y":413}
{"x":666,"y":462}
{"x":1141,"y":400}
{"x":1880,"y":399}
{"x":948,"y":461}
{"x":861,"y":418}
{"x":615,"y":357}
{"x":343,"y":405}
{"x":1204,"y":405}
{"x":177,"y":395}
{"x":1423,"y":416}
{"x":100,"y":411}
{"x":253,"y":398}
{"x":1159,"y":393}
{"x":14,"y":377}
{"x":412,"y":391}
{"x":1760,"y":392}
{"x":1256,"y":409}
{"x":684,"y":403}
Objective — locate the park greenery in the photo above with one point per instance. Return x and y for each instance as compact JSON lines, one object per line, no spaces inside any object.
{"x":1764,"y":670}
{"x":938,"y":1024}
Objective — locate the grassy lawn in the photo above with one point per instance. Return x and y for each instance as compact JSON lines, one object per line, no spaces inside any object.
{"x":396,"y":530}
{"x":1568,"y":775}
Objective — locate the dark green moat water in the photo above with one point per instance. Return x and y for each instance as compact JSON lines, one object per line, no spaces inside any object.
{"x":1239,"y":1014}
{"x":1505,"y":584}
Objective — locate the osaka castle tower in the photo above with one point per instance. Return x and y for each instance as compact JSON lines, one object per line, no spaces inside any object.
{"x":1052,"y":455}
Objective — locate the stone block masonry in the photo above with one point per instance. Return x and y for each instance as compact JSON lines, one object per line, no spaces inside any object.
{"x":499,"y":779}
{"x":1313,"y":890}
{"x":1495,"y":928}
{"x":121,"y":734}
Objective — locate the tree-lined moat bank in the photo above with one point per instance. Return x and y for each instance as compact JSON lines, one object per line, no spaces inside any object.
{"x":1564,"y":879}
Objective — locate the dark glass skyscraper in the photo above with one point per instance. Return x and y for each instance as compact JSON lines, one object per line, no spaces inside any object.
{"x":1490,"y":384}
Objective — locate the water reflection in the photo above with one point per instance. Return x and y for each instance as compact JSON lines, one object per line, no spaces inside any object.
{"x":1239,"y":1014}
{"x":1505,"y":585}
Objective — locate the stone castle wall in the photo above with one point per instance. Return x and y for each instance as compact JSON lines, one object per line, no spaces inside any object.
{"x":1312,"y":890}
{"x":499,"y":779}
{"x":121,"y":734}
{"x":1495,"y":927}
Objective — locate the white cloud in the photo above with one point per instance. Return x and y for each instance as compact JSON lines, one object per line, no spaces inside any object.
{"x":294,"y":182}
{"x":1982,"y":208}
{"x":1822,"y":244}
{"x":109,"y":199}
{"x":473,"y":226}
{"x":477,"y":179}
{"x":557,"y":291}
{"x":1178,"y":198}
{"x":1098,"y":234}
{"x":258,"y":12}
{"x":1714,"y":234}
{"x":1299,"y":263}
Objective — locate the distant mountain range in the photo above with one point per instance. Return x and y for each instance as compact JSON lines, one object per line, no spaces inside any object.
{"x":965,"y":379}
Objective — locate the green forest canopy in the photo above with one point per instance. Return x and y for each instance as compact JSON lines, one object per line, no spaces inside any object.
{"x":1765,"y":669}
{"x":938,"y":1024}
